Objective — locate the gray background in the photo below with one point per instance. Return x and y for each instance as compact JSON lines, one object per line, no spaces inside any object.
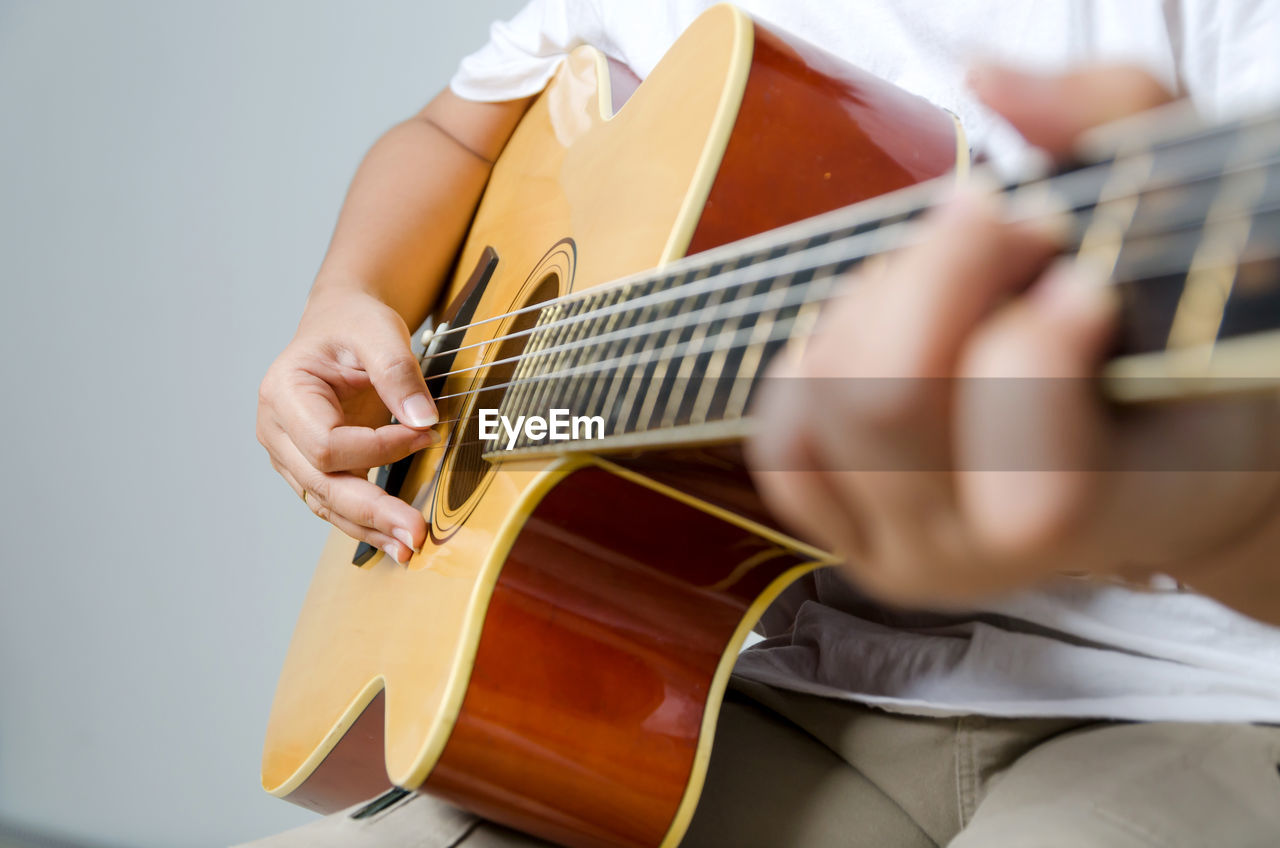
{"x":169,"y":175}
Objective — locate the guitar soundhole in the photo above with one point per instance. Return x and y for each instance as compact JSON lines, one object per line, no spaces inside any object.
{"x":467,"y":469}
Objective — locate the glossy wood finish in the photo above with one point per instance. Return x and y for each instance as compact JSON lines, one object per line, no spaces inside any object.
{"x":712,"y":474}
{"x":354,"y":770}
{"x":815,"y":134}
{"x":584,"y":710}
{"x":581,"y":710}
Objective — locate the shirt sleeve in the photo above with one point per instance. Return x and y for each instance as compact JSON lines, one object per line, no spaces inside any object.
{"x":523,"y":53}
{"x":1228,"y":53}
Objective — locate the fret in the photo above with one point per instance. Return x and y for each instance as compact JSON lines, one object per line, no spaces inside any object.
{"x":622,"y":391}
{"x":1168,"y":228}
{"x":591,"y":399}
{"x":567,"y":374}
{"x":662,"y":374}
{"x":1212,"y":273}
{"x":549,"y":362}
{"x":573,"y":360}
{"x":744,"y":365}
{"x":697,"y":335}
{"x":607,"y":378}
{"x":630,"y":385}
{"x":538,"y":359}
{"x":720,"y":385}
{"x":515,"y":397}
{"x":642,"y":381}
{"x":748,"y":370}
{"x":711,"y":365}
{"x":1117,"y":202}
{"x":802,"y":329}
{"x":1201,"y":308}
{"x":744,"y":361}
{"x":534,"y":384}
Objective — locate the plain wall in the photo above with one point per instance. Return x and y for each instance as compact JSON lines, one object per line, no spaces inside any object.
{"x":169,"y":176}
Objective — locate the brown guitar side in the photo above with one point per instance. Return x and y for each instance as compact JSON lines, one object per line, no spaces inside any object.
{"x":600,"y":653}
{"x":626,"y":587}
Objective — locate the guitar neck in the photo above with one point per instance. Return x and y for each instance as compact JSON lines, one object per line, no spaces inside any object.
{"x":1182,"y":218}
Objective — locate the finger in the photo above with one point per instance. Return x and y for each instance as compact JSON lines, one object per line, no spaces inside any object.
{"x":288,"y":477}
{"x":391,"y":547}
{"x":801,"y":495}
{"x":966,"y":260}
{"x":352,"y":448}
{"x":309,"y":411}
{"x":353,"y":498}
{"x":358,"y":448}
{"x":351,"y":504}
{"x":387,"y":545}
{"x":889,"y":408}
{"x":385,"y":354}
{"x":1052,"y":110}
{"x":1030,"y":428}
{"x":305,"y":407}
{"x":784,"y":468}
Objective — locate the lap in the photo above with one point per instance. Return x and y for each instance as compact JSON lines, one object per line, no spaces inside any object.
{"x":1163,"y":785}
{"x":795,"y":770}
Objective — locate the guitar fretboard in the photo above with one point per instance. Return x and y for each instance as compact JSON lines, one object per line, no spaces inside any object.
{"x":1187,"y":225}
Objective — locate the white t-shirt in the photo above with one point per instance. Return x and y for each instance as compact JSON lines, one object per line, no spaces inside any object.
{"x":1073,"y":648}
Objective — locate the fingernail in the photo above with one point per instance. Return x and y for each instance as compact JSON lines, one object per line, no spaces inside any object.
{"x":392,"y":550}
{"x":405,"y":537}
{"x":419,"y":411}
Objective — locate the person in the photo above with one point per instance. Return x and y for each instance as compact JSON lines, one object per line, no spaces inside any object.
{"x":946,"y":686}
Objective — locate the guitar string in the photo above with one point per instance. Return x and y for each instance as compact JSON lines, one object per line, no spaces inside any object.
{"x":704,"y":346}
{"x":779,"y":331}
{"x":855,"y":215}
{"x":796,"y":262}
{"x":858,"y":213}
{"x":1151,"y":271}
{"x":758,"y":273}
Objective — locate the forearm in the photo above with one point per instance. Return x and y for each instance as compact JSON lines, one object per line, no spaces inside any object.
{"x":1246,"y":574}
{"x":410,"y":202}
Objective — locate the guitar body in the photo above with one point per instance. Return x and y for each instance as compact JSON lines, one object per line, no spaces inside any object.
{"x":555,"y":657}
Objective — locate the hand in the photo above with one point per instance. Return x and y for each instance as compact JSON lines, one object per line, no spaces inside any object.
{"x":323,"y":413}
{"x":908,"y":479}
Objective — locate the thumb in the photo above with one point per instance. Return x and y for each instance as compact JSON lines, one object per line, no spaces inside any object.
{"x":388,"y":359}
{"x":1051,"y":110}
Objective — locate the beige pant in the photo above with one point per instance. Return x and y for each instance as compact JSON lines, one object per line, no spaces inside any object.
{"x":795,"y":770}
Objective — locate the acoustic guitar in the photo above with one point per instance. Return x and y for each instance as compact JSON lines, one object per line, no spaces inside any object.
{"x":554,"y":658}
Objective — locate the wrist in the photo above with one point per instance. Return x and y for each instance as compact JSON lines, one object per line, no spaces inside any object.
{"x":333,"y":285}
{"x":334,"y":304}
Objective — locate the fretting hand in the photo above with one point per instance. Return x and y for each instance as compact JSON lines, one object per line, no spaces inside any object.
{"x":882,"y":439}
